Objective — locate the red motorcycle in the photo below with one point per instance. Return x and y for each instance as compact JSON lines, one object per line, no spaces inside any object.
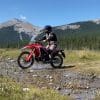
{"x":39,"y":53}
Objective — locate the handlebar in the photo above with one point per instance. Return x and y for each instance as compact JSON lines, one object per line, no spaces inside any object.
{"x":39,"y":42}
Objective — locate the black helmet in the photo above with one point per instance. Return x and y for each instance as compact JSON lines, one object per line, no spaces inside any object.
{"x":47,"y":28}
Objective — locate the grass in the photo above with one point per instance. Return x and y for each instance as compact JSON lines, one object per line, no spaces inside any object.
{"x":85,"y":61}
{"x":81,"y":56}
{"x":97,"y":97}
{"x":11,"y":90}
{"x":6,"y":53}
{"x":71,"y":55}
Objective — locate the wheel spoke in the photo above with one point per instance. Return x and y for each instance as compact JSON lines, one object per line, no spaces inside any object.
{"x":23,"y":63}
{"x":57,"y":61}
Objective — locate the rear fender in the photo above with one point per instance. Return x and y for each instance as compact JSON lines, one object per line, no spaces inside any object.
{"x":55,"y":52}
{"x":62,"y":53}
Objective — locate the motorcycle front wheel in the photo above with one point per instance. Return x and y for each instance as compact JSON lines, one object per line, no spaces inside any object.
{"x":56,"y":61}
{"x":22,"y":60}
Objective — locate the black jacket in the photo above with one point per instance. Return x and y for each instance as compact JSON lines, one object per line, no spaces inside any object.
{"x":50,"y":37}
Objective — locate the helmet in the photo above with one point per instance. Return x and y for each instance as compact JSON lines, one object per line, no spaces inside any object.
{"x":47,"y":28}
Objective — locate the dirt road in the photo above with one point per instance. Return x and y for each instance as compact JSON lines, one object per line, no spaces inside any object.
{"x":65,"y":80}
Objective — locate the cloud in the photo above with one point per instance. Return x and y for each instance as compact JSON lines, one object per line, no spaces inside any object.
{"x":23,"y":17}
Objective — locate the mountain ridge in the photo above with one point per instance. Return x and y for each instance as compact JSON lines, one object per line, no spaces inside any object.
{"x":16,"y":32}
{"x":67,"y":34}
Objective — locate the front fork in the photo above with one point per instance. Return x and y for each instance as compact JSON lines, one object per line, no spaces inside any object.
{"x":27,"y":58}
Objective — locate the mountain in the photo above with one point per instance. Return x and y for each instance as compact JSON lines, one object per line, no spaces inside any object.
{"x":79,"y":35}
{"x":16,"y":32}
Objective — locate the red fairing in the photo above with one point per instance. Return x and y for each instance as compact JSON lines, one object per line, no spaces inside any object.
{"x":37,"y":52}
{"x":36,"y":47}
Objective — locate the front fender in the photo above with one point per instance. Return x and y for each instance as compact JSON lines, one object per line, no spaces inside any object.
{"x":24,"y":48}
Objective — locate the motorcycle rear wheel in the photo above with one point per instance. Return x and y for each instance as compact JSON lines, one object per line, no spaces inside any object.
{"x":56,"y":61}
{"x":22,"y":62}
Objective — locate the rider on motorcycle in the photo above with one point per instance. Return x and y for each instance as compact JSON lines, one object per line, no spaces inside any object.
{"x":49,"y":37}
{"x":48,"y":54}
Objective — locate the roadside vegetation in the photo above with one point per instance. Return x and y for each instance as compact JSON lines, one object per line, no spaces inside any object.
{"x":85,"y":61}
{"x":84,"y":55}
{"x":11,"y":90}
{"x":73,"y":56}
{"x":9,"y":53}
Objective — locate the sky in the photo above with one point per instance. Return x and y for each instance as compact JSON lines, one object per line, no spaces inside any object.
{"x":50,"y":12}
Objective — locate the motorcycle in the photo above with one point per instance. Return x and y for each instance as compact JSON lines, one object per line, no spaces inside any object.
{"x":36,"y":51}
